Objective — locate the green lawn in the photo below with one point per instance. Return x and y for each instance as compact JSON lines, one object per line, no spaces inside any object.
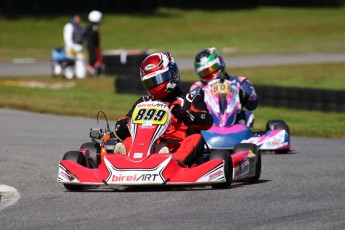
{"x":234,"y":32}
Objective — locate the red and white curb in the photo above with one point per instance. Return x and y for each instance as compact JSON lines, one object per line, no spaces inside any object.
{"x":8,"y":196}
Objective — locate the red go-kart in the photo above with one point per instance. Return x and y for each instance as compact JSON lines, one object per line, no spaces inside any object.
{"x":95,"y":163}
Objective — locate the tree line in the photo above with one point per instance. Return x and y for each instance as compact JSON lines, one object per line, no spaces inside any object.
{"x":13,"y":8}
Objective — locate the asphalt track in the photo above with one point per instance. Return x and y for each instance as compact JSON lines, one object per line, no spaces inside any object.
{"x":300,"y":190}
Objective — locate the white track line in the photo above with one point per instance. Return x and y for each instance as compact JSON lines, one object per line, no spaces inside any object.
{"x":8,"y":196}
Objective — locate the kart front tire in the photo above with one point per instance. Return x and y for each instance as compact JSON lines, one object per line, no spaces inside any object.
{"x":223,"y":155}
{"x":254,"y":148}
{"x":78,"y":157}
{"x":96,"y":158}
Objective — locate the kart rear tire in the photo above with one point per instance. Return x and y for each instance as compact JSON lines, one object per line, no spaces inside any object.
{"x":254,"y":148}
{"x":256,"y":178}
{"x":78,"y":157}
{"x":246,"y":146}
{"x":223,"y":155}
{"x":96,"y":158}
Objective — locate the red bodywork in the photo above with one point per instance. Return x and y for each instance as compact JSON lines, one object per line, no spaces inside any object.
{"x":142,"y":167}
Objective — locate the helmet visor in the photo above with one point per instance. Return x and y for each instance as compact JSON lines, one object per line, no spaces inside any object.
{"x":204,"y":71}
{"x":156,"y":80}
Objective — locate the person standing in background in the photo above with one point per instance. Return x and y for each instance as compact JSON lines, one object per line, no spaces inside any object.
{"x":73,"y":35}
{"x":93,"y":42}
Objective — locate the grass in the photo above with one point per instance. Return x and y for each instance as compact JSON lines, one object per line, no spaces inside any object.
{"x":86,"y":97}
{"x":235,"y":32}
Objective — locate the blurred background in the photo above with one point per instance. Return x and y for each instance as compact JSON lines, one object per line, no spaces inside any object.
{"x":247,"y":33}
{"x":31,"y":28}
{"x":70,"y":6}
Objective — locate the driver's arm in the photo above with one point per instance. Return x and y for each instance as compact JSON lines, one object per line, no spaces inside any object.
{"x":198,"y":114}
{"x":249,"y":98}
{"x":121,"y":125}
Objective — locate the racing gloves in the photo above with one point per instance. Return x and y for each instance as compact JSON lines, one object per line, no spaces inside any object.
{"x":178,"y":111}
{"x":121,"y":129}
{"x":248,"y":97}
{"x":182,"y":114}
{"x":244,"y":97}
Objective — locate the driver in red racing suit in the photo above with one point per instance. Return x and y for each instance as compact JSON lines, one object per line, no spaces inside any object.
{"x":160,"y":77}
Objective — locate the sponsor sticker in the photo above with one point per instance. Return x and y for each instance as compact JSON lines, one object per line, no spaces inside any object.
{"x":274,"y":142}
{"x":149,"y":67}
{"x":136,"y":175}
{"x":242,"y":170}
{"x":147,"y":177}
{"x":216,"y":174}
{"x":146,"y":125}
{"x":138,"y":155}
{"x":155,"y":113}
{"x":251,"y":154}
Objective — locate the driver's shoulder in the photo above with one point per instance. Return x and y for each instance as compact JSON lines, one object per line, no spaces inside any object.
{"x":196,"y":86}
{"x":193,"y":95}
{"x":236,"y":79}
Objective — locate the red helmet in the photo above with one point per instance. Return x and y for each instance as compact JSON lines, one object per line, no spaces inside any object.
{"x":159,"y":74}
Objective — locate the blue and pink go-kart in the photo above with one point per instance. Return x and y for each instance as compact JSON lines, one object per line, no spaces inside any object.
{"x":223,"y":101}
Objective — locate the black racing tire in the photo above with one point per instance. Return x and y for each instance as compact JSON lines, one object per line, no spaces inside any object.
{"x":223,"y":155}
{"x":278,"y":125}
{"x":254,"y":148}
{"x":246,"y":146}
{"x":94,"y":154}
{"x":78,"y":157}
{"x":256,"y":178}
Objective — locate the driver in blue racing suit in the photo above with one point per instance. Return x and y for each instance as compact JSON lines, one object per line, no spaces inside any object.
{"x":210,"y":65}
{"x":160,"y":77}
